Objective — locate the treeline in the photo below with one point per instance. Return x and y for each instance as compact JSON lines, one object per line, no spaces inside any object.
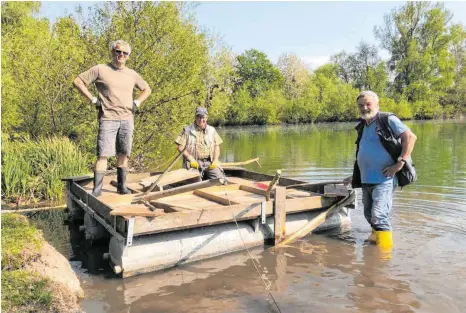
{"x":186,"y":67}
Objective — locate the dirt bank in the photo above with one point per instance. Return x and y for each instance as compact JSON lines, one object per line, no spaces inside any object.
{"x":35,"y":276}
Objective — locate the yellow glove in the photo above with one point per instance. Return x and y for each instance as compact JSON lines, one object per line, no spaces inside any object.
{"x":213,"y":165}
{"x":194,"y":164}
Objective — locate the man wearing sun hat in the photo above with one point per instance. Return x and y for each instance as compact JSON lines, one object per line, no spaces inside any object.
{"x":203,"y":146}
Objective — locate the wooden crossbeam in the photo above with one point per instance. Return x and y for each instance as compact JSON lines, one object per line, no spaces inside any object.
{"x":214,"y":197}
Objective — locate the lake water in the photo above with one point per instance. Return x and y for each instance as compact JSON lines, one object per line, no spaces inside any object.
{"x":320,"y":273}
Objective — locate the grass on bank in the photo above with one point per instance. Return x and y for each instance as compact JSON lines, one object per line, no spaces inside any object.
{"x":22,"y":290}
{"x":32,"y":170}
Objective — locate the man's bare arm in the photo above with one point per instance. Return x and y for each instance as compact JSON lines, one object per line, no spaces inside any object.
{"x":408,"y":139}
{"x":79,"y":84}
{"x":216,"y":153}
{"x":144,"y":95}
{"x":185,"y":153}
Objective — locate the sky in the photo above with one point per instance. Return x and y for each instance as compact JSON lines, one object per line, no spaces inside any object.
{"x":313,"y":30}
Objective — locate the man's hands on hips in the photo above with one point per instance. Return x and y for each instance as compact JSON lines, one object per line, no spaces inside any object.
{"x":136,"y":104}
{"x":96,"y":102}
{"x":393,"y":169}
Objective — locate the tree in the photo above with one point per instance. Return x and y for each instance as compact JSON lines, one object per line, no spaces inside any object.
{"x":39,"y":64}
{"x":417,"y":37}
{"x":363,"y":69}
{"x":256,"y":71}
{"x":295,"y":74}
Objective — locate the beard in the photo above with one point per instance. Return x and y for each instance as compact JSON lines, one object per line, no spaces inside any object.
{"x":368,"y":115}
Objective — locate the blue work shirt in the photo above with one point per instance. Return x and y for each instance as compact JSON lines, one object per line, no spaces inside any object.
{"x":372,"y":156}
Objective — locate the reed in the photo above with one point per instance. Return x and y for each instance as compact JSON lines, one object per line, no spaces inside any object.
{"x":32,"y":169}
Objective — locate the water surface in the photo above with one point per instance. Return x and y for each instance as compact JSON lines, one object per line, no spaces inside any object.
{"x":320,"y":273}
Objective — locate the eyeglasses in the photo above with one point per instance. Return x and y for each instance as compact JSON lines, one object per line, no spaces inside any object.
{"x":120,"y":52}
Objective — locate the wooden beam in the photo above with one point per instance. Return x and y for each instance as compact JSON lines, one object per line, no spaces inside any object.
{"x":136,"y":210}
{"x":279,"y":214}
{"x":178,"y":190}
{"x":222,"y":214}
{"x":252,"y":189}
{"x":171,"y":207}
{"x":214,"y":197}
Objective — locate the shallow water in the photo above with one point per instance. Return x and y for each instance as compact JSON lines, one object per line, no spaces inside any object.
{"x":321,"y":273}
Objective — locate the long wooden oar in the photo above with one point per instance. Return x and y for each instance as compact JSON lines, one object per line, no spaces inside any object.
{"x":227,"y":164}
{"x":166,"y":170}
{"x":315,"y":222}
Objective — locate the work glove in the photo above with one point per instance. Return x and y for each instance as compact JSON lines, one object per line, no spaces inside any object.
{"x":194,"y":164}
{"x":213,"y":165}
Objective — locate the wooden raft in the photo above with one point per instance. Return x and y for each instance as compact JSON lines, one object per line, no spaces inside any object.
{"x":240,"y":199}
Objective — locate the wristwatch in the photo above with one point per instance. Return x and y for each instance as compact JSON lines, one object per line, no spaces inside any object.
{"x":401,"y":159}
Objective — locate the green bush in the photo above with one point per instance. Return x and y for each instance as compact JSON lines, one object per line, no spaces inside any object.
{"x":32,"y":170}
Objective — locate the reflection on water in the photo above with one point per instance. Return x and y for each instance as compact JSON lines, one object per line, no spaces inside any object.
{"x":331,"y":273}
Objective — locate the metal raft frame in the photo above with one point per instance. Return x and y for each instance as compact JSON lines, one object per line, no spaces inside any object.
{"x":128,"y":241}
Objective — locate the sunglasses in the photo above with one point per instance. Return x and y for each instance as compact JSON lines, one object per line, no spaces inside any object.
{"x":120,"y":52}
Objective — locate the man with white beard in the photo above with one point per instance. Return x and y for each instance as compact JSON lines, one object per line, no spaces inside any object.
{"x":376,"y":165}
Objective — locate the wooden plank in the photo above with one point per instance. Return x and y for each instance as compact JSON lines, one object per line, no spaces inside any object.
{"x":264,"y":177}
{"x":181,"y":189}
{"x":136,"y":210}
{"x":171,"y":207}
{"x":256,"y":190}
{"x":214,"y":198}
{"x":172,"y":177}
{"x":116,"y":199}
{"x":223,"y":214}
{"x":279,"y":214}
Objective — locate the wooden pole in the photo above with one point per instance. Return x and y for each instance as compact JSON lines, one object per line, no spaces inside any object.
{"x":279,"y":214}
{"x":166,"y":170}
{"x":272,"y":184}
{"x":241,"y":163}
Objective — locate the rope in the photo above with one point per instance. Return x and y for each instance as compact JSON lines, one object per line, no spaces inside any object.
{"x":247,"y":249}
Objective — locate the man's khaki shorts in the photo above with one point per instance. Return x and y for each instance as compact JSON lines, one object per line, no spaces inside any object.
{"x":115,"y":136}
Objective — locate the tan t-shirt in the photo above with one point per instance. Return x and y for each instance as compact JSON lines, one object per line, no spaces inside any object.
{"x":115,"y":87}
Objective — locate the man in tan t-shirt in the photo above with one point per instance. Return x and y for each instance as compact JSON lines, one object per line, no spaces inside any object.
{"x":115,"y":84}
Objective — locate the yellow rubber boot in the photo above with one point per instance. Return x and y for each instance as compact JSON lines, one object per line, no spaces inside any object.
{"x":384,"y":242}
{"x":372,"y":237}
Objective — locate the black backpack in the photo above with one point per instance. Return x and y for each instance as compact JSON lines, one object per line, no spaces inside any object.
{"x":407,"y":174}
